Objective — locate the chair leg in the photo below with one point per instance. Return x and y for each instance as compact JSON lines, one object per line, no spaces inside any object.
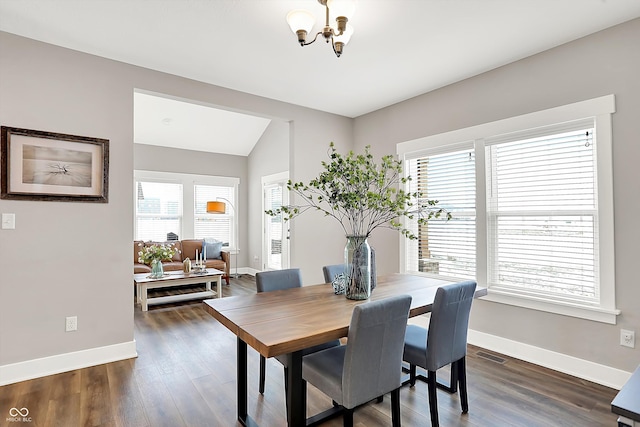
{"x":395,"y":408}
{"x":286,"y":389}
{"x":433,"y":399}
{"x":453,"y":383}
{"x":462,"y":380}
{"x":412,"y":375}
{"x":263,"y":368}
{"x":347,"y":417}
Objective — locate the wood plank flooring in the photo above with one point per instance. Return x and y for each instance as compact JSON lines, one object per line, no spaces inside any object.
{"x":185,"y":374}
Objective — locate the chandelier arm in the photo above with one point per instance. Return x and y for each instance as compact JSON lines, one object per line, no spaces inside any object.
{"x":314,"y":39}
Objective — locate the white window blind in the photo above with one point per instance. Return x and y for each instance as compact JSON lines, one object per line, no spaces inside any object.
{"x":158,"y":210}
{"x":445,"y":248}
{"x":542,"y":212}
{"x":217,"y":226}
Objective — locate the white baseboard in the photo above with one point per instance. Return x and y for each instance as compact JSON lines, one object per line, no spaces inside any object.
{"x":243,"y":270}
{"x":590,"y":371}
{"x":251,"y":271}
{"x":37,"y":368}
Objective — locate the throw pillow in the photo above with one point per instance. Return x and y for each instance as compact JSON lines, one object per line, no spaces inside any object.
{"x":212,"y":248}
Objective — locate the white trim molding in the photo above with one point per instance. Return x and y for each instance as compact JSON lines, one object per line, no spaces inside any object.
{"x":596,"y":314}
{"x":580,"y":368}
{"x":59,"y":363}
{"x":251,"y":271}
{"x":601,"y":307}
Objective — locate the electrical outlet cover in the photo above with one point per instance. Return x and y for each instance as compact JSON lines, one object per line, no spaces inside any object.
{"x":627,"y":338}
{"x":71,"y":324}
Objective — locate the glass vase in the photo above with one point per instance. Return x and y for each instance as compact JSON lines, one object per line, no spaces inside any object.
{"x":156,"y":269}
{"x":357,"y":268}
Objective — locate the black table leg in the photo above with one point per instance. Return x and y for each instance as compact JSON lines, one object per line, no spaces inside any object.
{"x":296,"y":391}
{"x":241,"y":377}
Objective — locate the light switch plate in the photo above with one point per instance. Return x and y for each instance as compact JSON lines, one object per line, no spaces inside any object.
{"x":8,"y":221}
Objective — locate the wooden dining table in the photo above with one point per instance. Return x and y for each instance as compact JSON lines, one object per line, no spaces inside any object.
{"x":286,"y":322}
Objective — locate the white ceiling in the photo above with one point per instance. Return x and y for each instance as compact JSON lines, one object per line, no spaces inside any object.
{"x":400,"y":49}
{"x":179,"y":124}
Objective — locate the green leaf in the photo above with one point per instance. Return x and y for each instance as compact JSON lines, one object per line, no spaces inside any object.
{"x":361,"y":194}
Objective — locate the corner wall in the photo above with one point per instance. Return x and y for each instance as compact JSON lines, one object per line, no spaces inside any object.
{"x":604,"y":63}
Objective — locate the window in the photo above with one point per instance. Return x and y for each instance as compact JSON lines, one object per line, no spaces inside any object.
{"x":532,"y":209}
{"x":176,"y":203}
{"x":158,"y":210}
{"x":445,"y":248}
{"x":542,"y":212}
{"x":218,"y":226}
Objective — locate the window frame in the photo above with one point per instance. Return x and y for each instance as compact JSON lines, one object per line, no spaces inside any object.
{"x":188,"y":181}
{"x":601,"y":109}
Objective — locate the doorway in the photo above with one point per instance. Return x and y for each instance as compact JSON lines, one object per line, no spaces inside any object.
{"x":275,"y":236}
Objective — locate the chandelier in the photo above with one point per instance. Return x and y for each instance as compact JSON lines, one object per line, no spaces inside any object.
{"x":301,"y":23}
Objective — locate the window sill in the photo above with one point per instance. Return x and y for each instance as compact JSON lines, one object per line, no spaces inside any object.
{"x":595,"y":314}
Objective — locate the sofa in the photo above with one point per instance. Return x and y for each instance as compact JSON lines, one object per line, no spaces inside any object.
{"x":216,"y":258}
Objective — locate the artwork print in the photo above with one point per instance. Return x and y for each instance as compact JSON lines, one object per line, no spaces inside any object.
{"x":39,"y":165}
{"x":55,"y":166}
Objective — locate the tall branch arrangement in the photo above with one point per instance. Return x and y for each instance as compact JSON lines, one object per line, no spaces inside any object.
{"x":361,"y":195}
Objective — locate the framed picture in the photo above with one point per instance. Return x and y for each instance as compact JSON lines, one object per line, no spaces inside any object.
{"x":50,"y":166}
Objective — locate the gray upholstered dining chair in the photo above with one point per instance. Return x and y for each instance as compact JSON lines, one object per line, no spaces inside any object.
{"x":374,"y":344}
{"x":443,"y":343}
{"x":276,"y":280}
{"x":331,"y":271}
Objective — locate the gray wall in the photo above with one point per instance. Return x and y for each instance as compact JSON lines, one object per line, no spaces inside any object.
{"x":314,"y":238}
{"x":269,"y":156}
{"x":53,"y":264}
{"x":604,"y":63}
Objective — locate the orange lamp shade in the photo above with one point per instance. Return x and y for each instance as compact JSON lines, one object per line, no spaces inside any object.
{"x":216,"y":207}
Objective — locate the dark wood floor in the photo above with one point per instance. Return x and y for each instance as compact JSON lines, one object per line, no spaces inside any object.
{"x":184,"y":375}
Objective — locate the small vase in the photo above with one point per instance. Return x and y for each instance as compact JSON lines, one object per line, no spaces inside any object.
{"x":357,"y":267}
{"x":156,"y":269}
{"x":338,"y":284}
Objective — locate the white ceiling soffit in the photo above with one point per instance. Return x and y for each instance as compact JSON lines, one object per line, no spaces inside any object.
{"x":173,"y":123}
{"x":400,"y":48}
